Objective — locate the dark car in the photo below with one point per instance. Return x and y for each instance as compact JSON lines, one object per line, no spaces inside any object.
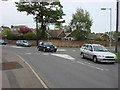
{"x":46,"y":46}
{"x":23,"y":43}
{"x":2,"y":42}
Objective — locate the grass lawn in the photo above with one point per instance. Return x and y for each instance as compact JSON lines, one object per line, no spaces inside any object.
{"x":117,"y":54}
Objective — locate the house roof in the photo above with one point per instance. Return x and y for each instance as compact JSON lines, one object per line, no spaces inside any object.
{"x":67,"y":34}
{"x":4,"y":28}
{"x":106,"y":35}
{"x":92,"y":36}
{"x":97,"y":35}
{"x":56,"y":33}
{"x":19,"y":26}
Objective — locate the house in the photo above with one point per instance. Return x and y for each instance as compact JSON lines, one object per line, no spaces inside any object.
{"x":92,"y":36}
{"x":107,"y":37}
{"x":98,"y":35}
{"x":69,"y":37}
{"x":5,"y":28}
{"x":16,"y":28}
{"x":57,"y":34}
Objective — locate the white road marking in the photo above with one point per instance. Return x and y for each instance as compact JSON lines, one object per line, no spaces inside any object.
{"x":64,"y":56}
{"x":68,"y":57}
{"x":73,"y":50}
{"x":45,"y":53}
{"x":17,"y":47}
{"x":28,"y":53}
{"x":41,"y":81}
{"x":37,"y":53}
{"x":61,"y":49}
{"x":91,"y":65}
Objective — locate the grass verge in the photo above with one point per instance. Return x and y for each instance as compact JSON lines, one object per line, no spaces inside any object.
{"x":118,"y":55}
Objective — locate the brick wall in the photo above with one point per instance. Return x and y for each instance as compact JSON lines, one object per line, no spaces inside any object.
{"x":63,"y":43}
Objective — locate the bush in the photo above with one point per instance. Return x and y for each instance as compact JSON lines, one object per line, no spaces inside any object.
{"x":99,"y":39}
{"x":14,"y":37}
{"x":117,"y":54}
{"x":30,"y":36}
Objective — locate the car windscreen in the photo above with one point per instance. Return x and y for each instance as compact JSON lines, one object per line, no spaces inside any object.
{"x":48,"y":43}
{"x":100,"y":48}
{"x":25,"y":42}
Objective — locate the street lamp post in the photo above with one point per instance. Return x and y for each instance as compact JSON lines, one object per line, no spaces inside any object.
{"x":117,"y":17}
{"x":110,"y":23}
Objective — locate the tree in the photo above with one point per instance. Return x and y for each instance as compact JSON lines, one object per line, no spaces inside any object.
{"x":7,"y":33}
{"x":24,"y":30}
{"x":67,"y":29}
{"x":81,"y":24}
{"x":45,"y":13}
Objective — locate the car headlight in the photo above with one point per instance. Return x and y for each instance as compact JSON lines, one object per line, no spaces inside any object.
{"x":48,"y":47}
{"x":100,"y":55}
{"x":55,"y":47}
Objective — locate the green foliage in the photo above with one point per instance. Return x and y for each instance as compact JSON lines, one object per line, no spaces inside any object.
{"x":117,"y":54}
{"x":7,"y":32}
{"x":81,"y":23}
{"x":30,"y":36}
{"x":15,"y":37}
{"x":45,"y":13}
{"x":67,"y":28}
{"x":80,"y":35}
{"x":11,"y":36}
{"x":99,"y":39}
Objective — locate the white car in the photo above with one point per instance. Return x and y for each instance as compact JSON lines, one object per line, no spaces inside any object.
{"x":97,"y":53}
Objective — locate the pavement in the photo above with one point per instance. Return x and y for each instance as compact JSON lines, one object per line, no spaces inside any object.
{"x":16,"y":73}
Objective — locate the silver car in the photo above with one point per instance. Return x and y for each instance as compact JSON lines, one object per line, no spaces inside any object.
{"x":97,"y":53}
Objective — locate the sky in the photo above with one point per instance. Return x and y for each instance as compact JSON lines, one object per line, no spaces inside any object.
{"x":101,"y":19}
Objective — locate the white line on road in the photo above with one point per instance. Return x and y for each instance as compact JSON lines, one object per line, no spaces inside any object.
{"x":17,"y":47}
{"x":28,"y":53}
{"x":83,"y":63}
{"x":61,"y":49}
{"x":73,"y":50}
{"x":90,"y":65}
{"x":64,"y":56}
{"x":45,"y":53}
{"x":42,"y":82}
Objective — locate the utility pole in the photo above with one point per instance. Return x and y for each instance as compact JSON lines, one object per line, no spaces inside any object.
{"x":36,"y":32}
{"x":117,"y":20}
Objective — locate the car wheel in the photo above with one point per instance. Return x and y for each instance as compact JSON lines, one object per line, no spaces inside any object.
{"x":44,"y":50}
{"x":82,"y":55}
{"x":38,"y":49}
{"x":95,"y":59}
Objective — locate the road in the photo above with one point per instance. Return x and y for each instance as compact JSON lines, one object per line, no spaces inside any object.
{"x":65,"y":68}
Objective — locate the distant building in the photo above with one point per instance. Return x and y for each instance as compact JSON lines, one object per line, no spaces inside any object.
{"x":16,"y":28}
{"x":107,"y":37}
{"x":4,"y":28}
{"x":57,"y":34}
{"x":69,"y":37}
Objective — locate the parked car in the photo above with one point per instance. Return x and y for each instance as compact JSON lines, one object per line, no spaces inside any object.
{"x":46,"y":46}
{"x":97,"y":53}
{"x":3,"y":42}
{"x":23,"y":43}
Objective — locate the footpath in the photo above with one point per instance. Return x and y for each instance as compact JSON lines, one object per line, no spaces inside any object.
{"x":16,"y":73}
